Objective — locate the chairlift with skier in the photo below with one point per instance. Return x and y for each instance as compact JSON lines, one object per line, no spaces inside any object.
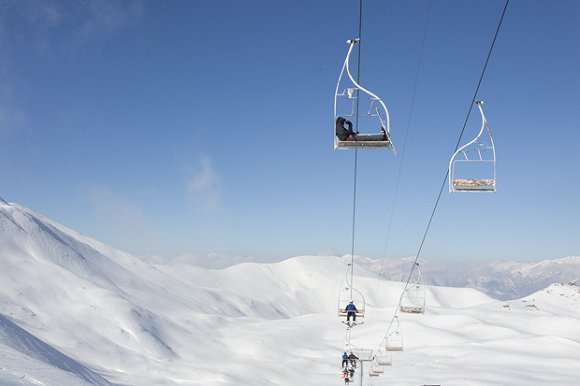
{"x":372,"y":120}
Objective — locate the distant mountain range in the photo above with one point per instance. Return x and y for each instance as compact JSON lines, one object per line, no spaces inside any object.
{"x":499,"y":279}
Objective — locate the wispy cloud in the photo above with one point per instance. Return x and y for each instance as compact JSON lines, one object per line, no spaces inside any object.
{"x":42,"y":26}
{"x":105,"y":18}
{"x":28,"y":24}
{"x":205,"y":185}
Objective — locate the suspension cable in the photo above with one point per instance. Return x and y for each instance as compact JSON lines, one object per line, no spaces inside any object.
{"x":353,"y":221}
{"x":446,"y":174}
{"x":409,"y":119}
{"x":355,"y":151}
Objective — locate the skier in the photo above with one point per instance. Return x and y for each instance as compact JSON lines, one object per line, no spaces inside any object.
{"x":342,"y":132}
{"x":352,"y":358}
{"x":351,"y":311}
{"x":346,"y":376}
{"x":344,"y":360}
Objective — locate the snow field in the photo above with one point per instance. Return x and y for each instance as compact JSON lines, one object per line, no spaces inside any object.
{"x":75,"y":311}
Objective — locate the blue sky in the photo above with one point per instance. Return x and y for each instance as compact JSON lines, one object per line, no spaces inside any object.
{"x":195,"y":127}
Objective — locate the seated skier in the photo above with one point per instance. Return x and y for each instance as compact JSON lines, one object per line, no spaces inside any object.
{"x":348,"y":134}
{"x":344,"y":360}
{"x":350,"y":312}
{"x":344,"y":133}
{"x":351,"y":374}
{"x":346,"y":376}
{"x":352,"y":358}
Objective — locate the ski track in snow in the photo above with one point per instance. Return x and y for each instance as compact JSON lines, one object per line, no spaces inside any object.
{"x":74,"y":311}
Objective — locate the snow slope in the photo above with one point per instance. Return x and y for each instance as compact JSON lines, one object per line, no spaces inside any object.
{"x":75,"y":311}
{"x":17,"y":345}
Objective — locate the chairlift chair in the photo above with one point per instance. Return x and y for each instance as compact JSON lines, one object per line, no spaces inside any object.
{"x":347,"y":294}
{"x":394,"y":338}
{"x":394,"y":342}
{"x":384,"y":358}
{"x":373,"y":117}
{"x":472,"y":166}
{"x":413,"y":300}
{"x":375,"y":368}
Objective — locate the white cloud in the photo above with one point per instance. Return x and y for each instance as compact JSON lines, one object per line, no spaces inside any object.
{"x":39,"y":25}
{"x":205,"y":184}
{"x":107,"y":17}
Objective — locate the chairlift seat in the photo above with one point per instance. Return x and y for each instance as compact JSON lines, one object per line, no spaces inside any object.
{"x":412,"y":310}
{"x":471,"y":182}
{"x":473,"y":185}
{"x":365,"y":140}
{"x":343,"y":312}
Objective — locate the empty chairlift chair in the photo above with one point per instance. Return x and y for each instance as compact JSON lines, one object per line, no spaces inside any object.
{"x":394,"y":338}
{"x":472,"y":166}
{"x":384,"y":358}
{"x":375,"y":368}
{"x":413,"y":300}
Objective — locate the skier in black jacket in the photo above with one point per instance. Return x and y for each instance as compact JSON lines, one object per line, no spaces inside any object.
{"x":344,"y":133}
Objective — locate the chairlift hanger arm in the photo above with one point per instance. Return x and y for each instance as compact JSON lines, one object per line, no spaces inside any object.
{"x":352,"y":42}
{"x":484,"y":119}
{"x":483,"y":126}
{"x":344,"y":66}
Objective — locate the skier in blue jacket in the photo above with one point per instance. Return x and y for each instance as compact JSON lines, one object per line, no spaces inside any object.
{"x":344,"y":360}
{"x":351,"y":311}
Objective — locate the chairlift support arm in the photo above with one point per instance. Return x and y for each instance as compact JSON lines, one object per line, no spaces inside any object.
{"x":346,"y":66}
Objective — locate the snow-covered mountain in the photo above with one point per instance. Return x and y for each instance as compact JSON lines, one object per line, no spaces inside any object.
{"x":74,"y":311}
{"x":137,"y":323}
{"x":501,"y":280}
